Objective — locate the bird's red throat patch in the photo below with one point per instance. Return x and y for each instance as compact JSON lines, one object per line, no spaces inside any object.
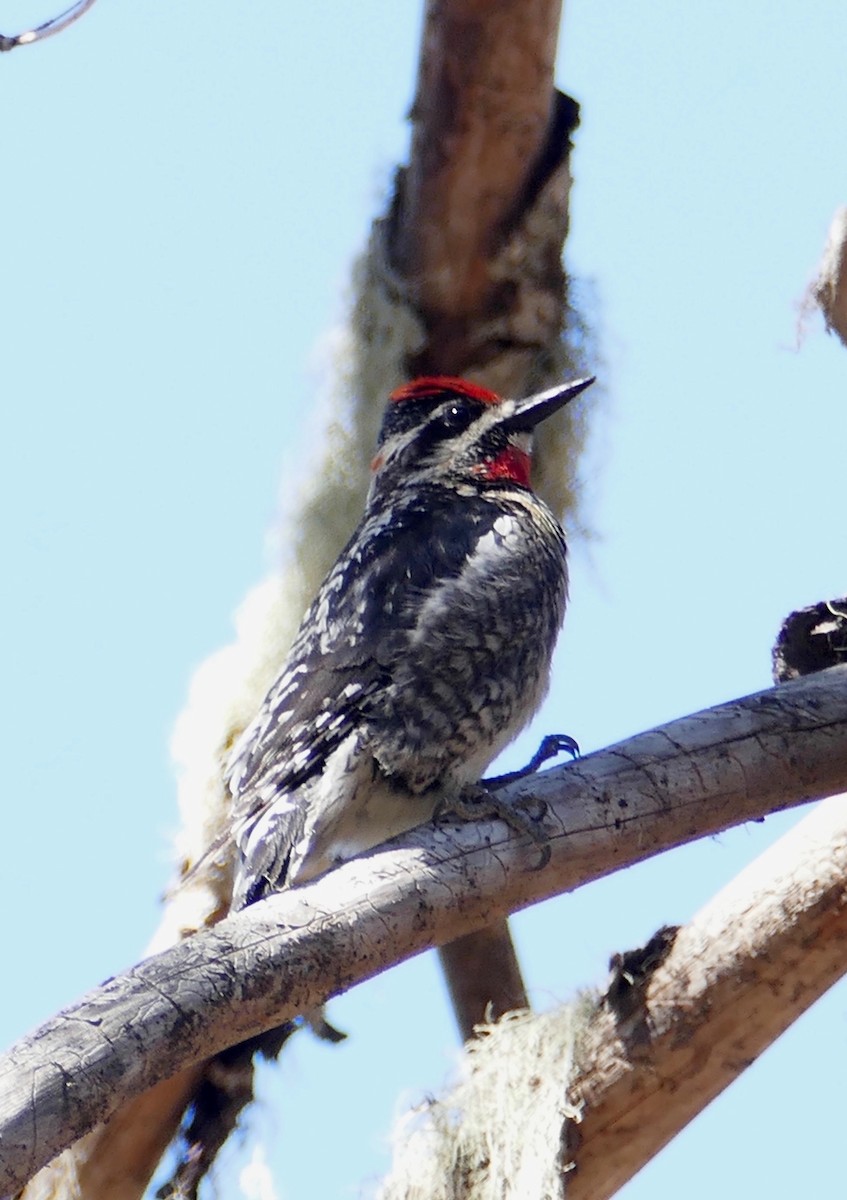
{"x":512,"y":465}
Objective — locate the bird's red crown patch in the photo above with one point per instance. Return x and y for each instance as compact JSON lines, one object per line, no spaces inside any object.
{"x":432,"y":385}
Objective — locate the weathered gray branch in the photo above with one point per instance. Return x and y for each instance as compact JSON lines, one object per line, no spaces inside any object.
{"x":760,"y":953}
{"x":597,"y":1091}
{"x":693,"y":777}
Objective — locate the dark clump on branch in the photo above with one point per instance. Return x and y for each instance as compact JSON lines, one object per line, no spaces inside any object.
{"x":811,"y":639}
{"x":632,"y":971}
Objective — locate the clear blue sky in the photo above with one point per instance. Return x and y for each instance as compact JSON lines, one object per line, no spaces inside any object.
{"x":185,"y":185}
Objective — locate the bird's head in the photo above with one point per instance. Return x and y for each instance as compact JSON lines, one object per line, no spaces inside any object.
{"x":449,"y":428}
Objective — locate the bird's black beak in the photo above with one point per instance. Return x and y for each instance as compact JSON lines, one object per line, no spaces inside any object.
{"x":534,"y":409}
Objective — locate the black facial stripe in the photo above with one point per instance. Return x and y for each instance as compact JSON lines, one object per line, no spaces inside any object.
{"x":407,"y":414}
{"x":412,"y":413}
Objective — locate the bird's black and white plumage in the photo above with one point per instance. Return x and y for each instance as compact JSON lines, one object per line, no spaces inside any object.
{"x":426,"y":649}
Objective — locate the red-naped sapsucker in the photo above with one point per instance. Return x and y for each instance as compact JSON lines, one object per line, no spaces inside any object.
{"x":425,"y":651}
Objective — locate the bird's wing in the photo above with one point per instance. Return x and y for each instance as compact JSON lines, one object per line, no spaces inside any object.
{"x":349,"y":643}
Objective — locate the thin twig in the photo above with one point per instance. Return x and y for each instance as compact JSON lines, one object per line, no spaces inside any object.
{"x":47,"y":28}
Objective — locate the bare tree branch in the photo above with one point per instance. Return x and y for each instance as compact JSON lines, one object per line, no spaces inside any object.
{"x":693,"y":777}
{"x":761,"y":952}
{"x":483,"y":120}
{"x":597,"y":1089}
{"x":483,"y":976}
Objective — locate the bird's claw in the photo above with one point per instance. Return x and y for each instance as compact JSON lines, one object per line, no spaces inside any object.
{"x":551,"y":745}
{"x":557,"y":743}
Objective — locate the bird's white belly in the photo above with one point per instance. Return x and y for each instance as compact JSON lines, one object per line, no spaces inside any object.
{"x":358,"y":810}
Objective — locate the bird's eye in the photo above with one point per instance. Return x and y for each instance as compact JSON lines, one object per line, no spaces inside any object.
{"x":453,"y":417}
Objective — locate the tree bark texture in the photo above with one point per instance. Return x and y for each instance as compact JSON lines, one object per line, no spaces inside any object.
{"x":484,"y":137}
{"x":761,"y":952}
{"x":689,"y":779}
{"x":574,"y":1101}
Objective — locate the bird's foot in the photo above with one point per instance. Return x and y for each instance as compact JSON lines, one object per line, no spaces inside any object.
{"x":475,"y":803}
{"x":551,"y":746}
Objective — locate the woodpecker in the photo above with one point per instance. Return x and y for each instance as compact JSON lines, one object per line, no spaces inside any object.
{"x":426,"y":649}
